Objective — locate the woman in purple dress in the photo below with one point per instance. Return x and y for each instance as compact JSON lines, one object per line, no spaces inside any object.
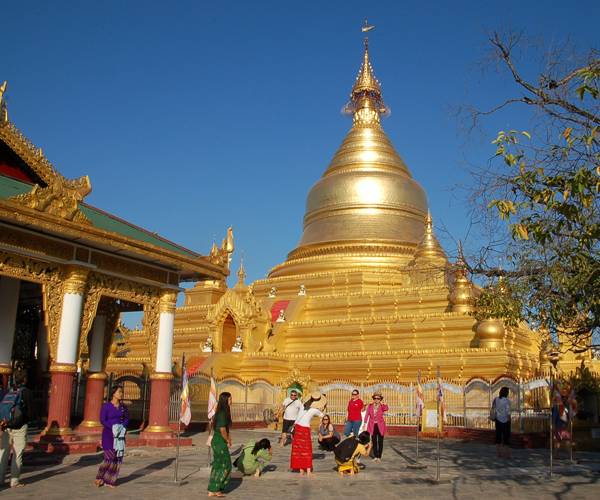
{"x":113,"y":412}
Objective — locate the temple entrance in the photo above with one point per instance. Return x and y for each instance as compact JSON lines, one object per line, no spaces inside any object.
{"x":229,"y":334}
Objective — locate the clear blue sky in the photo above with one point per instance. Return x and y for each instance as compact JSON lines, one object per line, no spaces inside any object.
{"x":191,"y":116}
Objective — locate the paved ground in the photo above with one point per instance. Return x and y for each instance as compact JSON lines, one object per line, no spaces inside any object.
{"x":473,"y":469}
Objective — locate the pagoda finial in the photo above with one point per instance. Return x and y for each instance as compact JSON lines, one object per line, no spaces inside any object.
{"x":366,"y":103}
{"x":241,"y":273}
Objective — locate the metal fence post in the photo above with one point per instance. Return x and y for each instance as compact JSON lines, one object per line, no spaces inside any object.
{"x":246,"y":404}
{"x":412,"y":406}
{"x":521,"y":402}
{"x":464,"y":395}
{"x":491,"y":401}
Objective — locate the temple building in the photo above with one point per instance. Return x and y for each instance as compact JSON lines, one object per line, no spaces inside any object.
{"x":367,"y":294}
{"x":67,"y":272}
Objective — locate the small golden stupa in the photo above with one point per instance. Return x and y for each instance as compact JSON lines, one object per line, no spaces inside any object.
{"x":367,"y":294}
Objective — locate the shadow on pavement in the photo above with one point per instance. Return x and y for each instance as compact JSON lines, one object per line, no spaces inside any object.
{"x":145,"y":471}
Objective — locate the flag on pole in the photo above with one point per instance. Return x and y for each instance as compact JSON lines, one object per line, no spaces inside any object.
{"x":573,"y":401}
{"x":186,"y":411}
{"x":212,"y":397}
{"x":441,"y":399}
{"x":420,"y":399}
{"x":557,"y":399}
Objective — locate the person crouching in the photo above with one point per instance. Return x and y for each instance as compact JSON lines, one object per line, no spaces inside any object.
{"x":250,"y":461}
{"x":351,"y":448}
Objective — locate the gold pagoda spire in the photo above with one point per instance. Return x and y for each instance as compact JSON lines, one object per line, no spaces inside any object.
{"x":241,"y":274}
{"x":366,"y":204}
{"x":429,"y":246}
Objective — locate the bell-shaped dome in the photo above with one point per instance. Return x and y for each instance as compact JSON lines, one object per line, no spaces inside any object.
{"x":366,"y":199}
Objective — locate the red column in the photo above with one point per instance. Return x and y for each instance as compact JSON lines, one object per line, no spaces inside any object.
{"x":46,"y":381}
{"x":61,"y":394}
{"x":158,"y":420}
{"x":94,"y":398}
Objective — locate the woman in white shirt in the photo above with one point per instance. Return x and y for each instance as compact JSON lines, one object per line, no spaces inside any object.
{"x":302,"y":455}
{"x":502,"y":405}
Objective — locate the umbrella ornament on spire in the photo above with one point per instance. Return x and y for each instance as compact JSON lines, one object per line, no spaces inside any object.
{"x":366,"y":103}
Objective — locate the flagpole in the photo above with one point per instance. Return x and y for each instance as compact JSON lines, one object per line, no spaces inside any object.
{"x":551,"y":424}
{"x":438,"y":426}
{"x":179,"y":419}
{"x":417,"y":465}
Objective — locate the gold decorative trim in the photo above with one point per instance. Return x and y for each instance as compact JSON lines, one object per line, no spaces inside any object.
{"x":59,"y":198}
{"x":296,"y":376}
{"x":75,"y":280}
{"x":5,"y":370}
{"x":90,"y":423}
{"x":57,"y":431}
{"x":63,"y":368}
{"x":158,"y":428}
{"x":161,"y":376}
{"x":168,"y":301}
{"x":97,"y":375}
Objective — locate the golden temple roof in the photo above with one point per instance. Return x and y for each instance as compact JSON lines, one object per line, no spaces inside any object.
{"x":367,"y":195}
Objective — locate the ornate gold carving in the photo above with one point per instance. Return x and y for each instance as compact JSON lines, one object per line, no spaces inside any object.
{"x":161,"y":376}
{"x":128,"y":268}
{"x":296,"y":376}
{"x":90,"y":308}
{"x":5,"y":370}
{"x":168,"y":300}
{"x":34,"y":243}
{"x":60,"y":199}
{"x":222,"y":256}
{"x":113,"y":316}
{"x":97,"y":375}
{"x":63,"y":368}
{"x":75,"y":280}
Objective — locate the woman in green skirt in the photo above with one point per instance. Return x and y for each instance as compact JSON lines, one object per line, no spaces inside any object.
{"x":221,"y":441}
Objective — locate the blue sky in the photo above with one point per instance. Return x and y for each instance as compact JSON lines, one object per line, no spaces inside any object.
{"x":191,"y":116}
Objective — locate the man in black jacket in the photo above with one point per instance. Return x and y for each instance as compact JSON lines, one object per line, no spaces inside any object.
{"x":17,"y":437}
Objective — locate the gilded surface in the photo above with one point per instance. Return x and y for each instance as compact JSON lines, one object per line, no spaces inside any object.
{"x":161,"y":376}
{"x":82,"y":254}
{"x":113,"y":316}
{"x":31,"y":242}
{"x":90,"y":307}
{"x":62,"y":368}
{"x":295,"y":376}
{"x":75,"y":280}
{"x":168,"y":300}
{"x":128,"y":268}
{"x":58,"y":199}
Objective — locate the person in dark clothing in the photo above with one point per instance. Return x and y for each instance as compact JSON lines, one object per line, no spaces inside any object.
{"x":16,"y":437}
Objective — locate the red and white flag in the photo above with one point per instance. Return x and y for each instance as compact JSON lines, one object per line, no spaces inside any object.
{"x":212,"y":396}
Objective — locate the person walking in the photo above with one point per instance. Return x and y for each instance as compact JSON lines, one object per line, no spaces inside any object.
{"x":290,"y":408}
{"x":328,"y":434}
{"x":354,"y":419}
{"x":502,"y":405}
{"x":16,"y":436}
{"x":250,"y":462}
{"x":376,"y":424}
{"x":302,"y":455}
{"x":220,"y":444}
{"x":114,"y":417}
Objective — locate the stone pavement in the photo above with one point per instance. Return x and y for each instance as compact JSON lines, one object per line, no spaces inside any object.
{"x":473,"y":469}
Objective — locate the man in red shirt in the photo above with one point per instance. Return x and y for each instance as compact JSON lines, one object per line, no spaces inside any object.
{"x":354,"y":419}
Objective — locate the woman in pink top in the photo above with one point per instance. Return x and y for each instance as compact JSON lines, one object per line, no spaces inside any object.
{"x":376,"y":424}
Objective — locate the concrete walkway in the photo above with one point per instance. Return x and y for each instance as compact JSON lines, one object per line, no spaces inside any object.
{"x":472,"y":468}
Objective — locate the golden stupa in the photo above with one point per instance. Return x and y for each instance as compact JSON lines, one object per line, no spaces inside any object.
{"x":368,"y":293}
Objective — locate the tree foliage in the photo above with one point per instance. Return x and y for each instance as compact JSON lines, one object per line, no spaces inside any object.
{"x":543,"y":188}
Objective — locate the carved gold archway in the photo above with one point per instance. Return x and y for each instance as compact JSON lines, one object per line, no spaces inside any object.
{"x":295,"y":376}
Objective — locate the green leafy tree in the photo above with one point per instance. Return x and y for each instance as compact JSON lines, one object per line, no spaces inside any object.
{"x":538,"y":198}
